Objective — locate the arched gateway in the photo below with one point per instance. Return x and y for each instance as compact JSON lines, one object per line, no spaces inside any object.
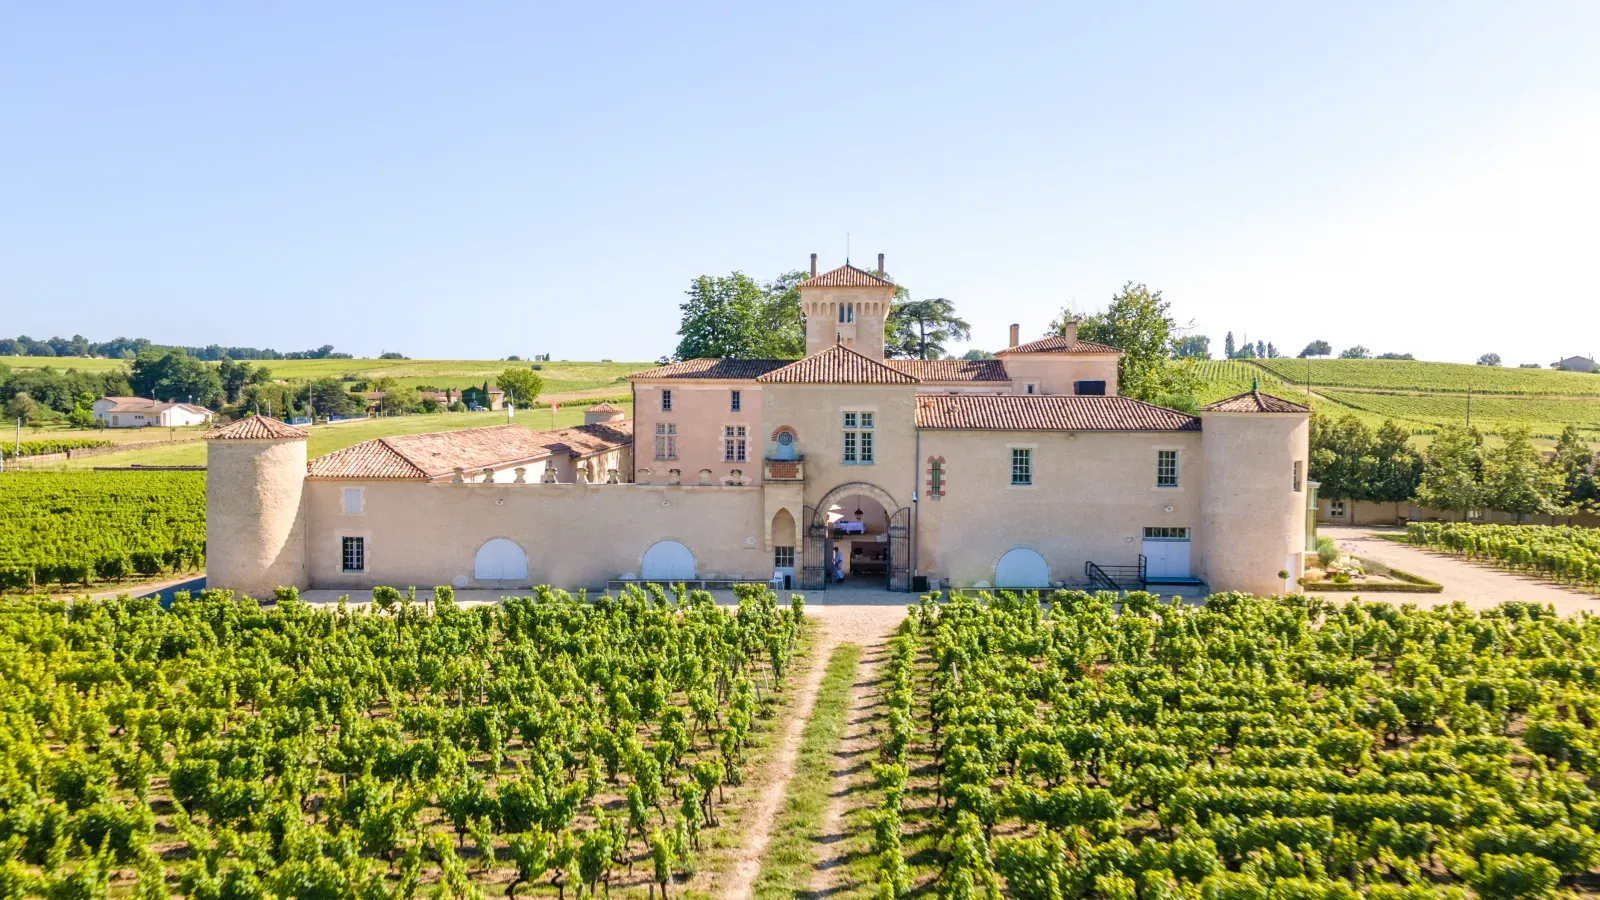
{"x":817,"y":569}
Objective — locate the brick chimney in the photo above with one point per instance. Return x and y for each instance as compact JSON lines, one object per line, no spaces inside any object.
{"x":1015,"y":331}
{"x":813,"y":265}
{"x":880,"y":265}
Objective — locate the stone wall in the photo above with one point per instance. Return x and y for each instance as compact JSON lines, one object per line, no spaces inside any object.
{"x":574,"y":535}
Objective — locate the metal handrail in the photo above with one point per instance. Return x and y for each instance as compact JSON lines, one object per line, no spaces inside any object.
{"x":1117,"y":578}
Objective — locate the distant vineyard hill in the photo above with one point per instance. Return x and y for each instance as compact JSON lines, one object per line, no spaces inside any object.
{"x":1423,"y":396}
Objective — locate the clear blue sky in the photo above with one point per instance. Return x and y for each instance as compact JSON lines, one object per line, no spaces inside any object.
{"x":475,"y":180}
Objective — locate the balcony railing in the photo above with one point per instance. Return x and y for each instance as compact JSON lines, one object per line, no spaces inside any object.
{"x":783,"y":469}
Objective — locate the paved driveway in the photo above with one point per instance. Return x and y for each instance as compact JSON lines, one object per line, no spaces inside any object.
{"x":1480,"y":587}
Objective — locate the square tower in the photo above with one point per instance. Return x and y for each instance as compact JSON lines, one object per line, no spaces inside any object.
{"x":846,"y":306}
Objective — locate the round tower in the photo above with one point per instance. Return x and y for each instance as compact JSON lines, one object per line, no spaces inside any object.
{"x":1254,"y":453}
{"x":255,"y":525}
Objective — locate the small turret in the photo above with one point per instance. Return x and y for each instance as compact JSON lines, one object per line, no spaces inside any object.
{"x":601,"y":413}
{"x":255,"y":522}
{"x":1254,"y":495}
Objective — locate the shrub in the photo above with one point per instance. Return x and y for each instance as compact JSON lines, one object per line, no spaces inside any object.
{"x":1327,"y":551}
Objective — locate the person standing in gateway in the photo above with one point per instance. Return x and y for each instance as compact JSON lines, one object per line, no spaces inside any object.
{"x":838,"y":566}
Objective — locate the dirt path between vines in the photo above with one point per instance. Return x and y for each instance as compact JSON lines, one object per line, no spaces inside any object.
{"x":852,"y":771}
{"x":868,"y":623}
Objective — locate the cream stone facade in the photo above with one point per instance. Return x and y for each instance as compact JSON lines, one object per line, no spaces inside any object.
{"x":1023,"y":471}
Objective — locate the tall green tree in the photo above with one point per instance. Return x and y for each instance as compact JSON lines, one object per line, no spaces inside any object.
{"x":173,"y":375}
{"x":919,"y":329}
{"x":1452,"y":472}
{"x":1139,"y":323}
{"x":1514,"y":478}
{"x":329,"y":398}
{"x":1397,"y":466}
{"x":1316,"y":348}
{"x":1574,"y":467}
{"x":1192,"y":346}
{"x":1342,"y":457}
{"x":735,"y":316}
{"x":522,"y":385}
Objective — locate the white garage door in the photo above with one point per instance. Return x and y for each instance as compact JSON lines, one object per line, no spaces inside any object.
{"x":667,"y":561}
{"x":1021,"y":568}
{"x":500,"y":560}
{"x":1166,"y":553}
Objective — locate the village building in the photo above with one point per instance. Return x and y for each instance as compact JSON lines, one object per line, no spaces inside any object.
{"x":138,"y":412}
{"x":1028,"y":470}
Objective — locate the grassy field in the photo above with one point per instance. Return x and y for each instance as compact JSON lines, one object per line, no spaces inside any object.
{"x":114,"y":435}
{"x":559,"y":377}
{"x":328,"y":438}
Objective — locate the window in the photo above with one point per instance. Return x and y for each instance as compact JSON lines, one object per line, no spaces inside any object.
{"x":1166,"y":468}
{"x":352,"y":501}
{"x":666,"y":440}
{"x":355,"y":554}
{"x":1033,"y":388}
{"x":666,"y":401}
{"x":783,"y":557}
{"x":1297,"y":479}
{"x":847,"y":312}
{"x":1021,"y":465}
{"x":935,"y":479}
{"x":1336,"y":508}
{"x":1089,"y":388}
{"x":733,"y":443}
{"x":734,"y":401}
{"x":858,"y":447}
{"x":1166,"y":534}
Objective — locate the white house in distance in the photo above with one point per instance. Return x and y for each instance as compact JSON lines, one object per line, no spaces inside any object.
{"x":137,"y":412}
{"x":1576,"y":364}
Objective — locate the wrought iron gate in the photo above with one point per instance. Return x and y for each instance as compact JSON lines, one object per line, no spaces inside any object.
{"x":900,"y":550}
{"x":814,"y":555}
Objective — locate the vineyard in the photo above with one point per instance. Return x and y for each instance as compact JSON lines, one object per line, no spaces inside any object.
{"x":1431,"y":377}
{"x":1554,"y":552}
{"x":1251,"y":748}
{"x":542,"y":746}
{"x":1544,"y":416}
{"x":72,"y":528}
{"x":11,"y":450}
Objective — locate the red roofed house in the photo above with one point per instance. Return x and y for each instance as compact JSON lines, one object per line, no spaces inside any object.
{"x":1028,"y":470}
{"x":137,"y":412}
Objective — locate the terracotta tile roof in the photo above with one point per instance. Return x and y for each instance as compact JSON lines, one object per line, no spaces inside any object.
{"x":1255,"y":402}
{"x":846,"y":276}
{"x":951,"y":369}
{"x":256,"y":428}
{"x":427,"y":456}
{"x":1057,"y":343}
{"x":730,"y":369}
{"x":604,"y":406}
{"x":1028,"y":412}
{"x":142,"y":405}
{"x":368,"y":459}
{"x":837,"y":365}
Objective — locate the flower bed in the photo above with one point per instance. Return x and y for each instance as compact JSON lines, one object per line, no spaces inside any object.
{"x":1352,"y":574}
